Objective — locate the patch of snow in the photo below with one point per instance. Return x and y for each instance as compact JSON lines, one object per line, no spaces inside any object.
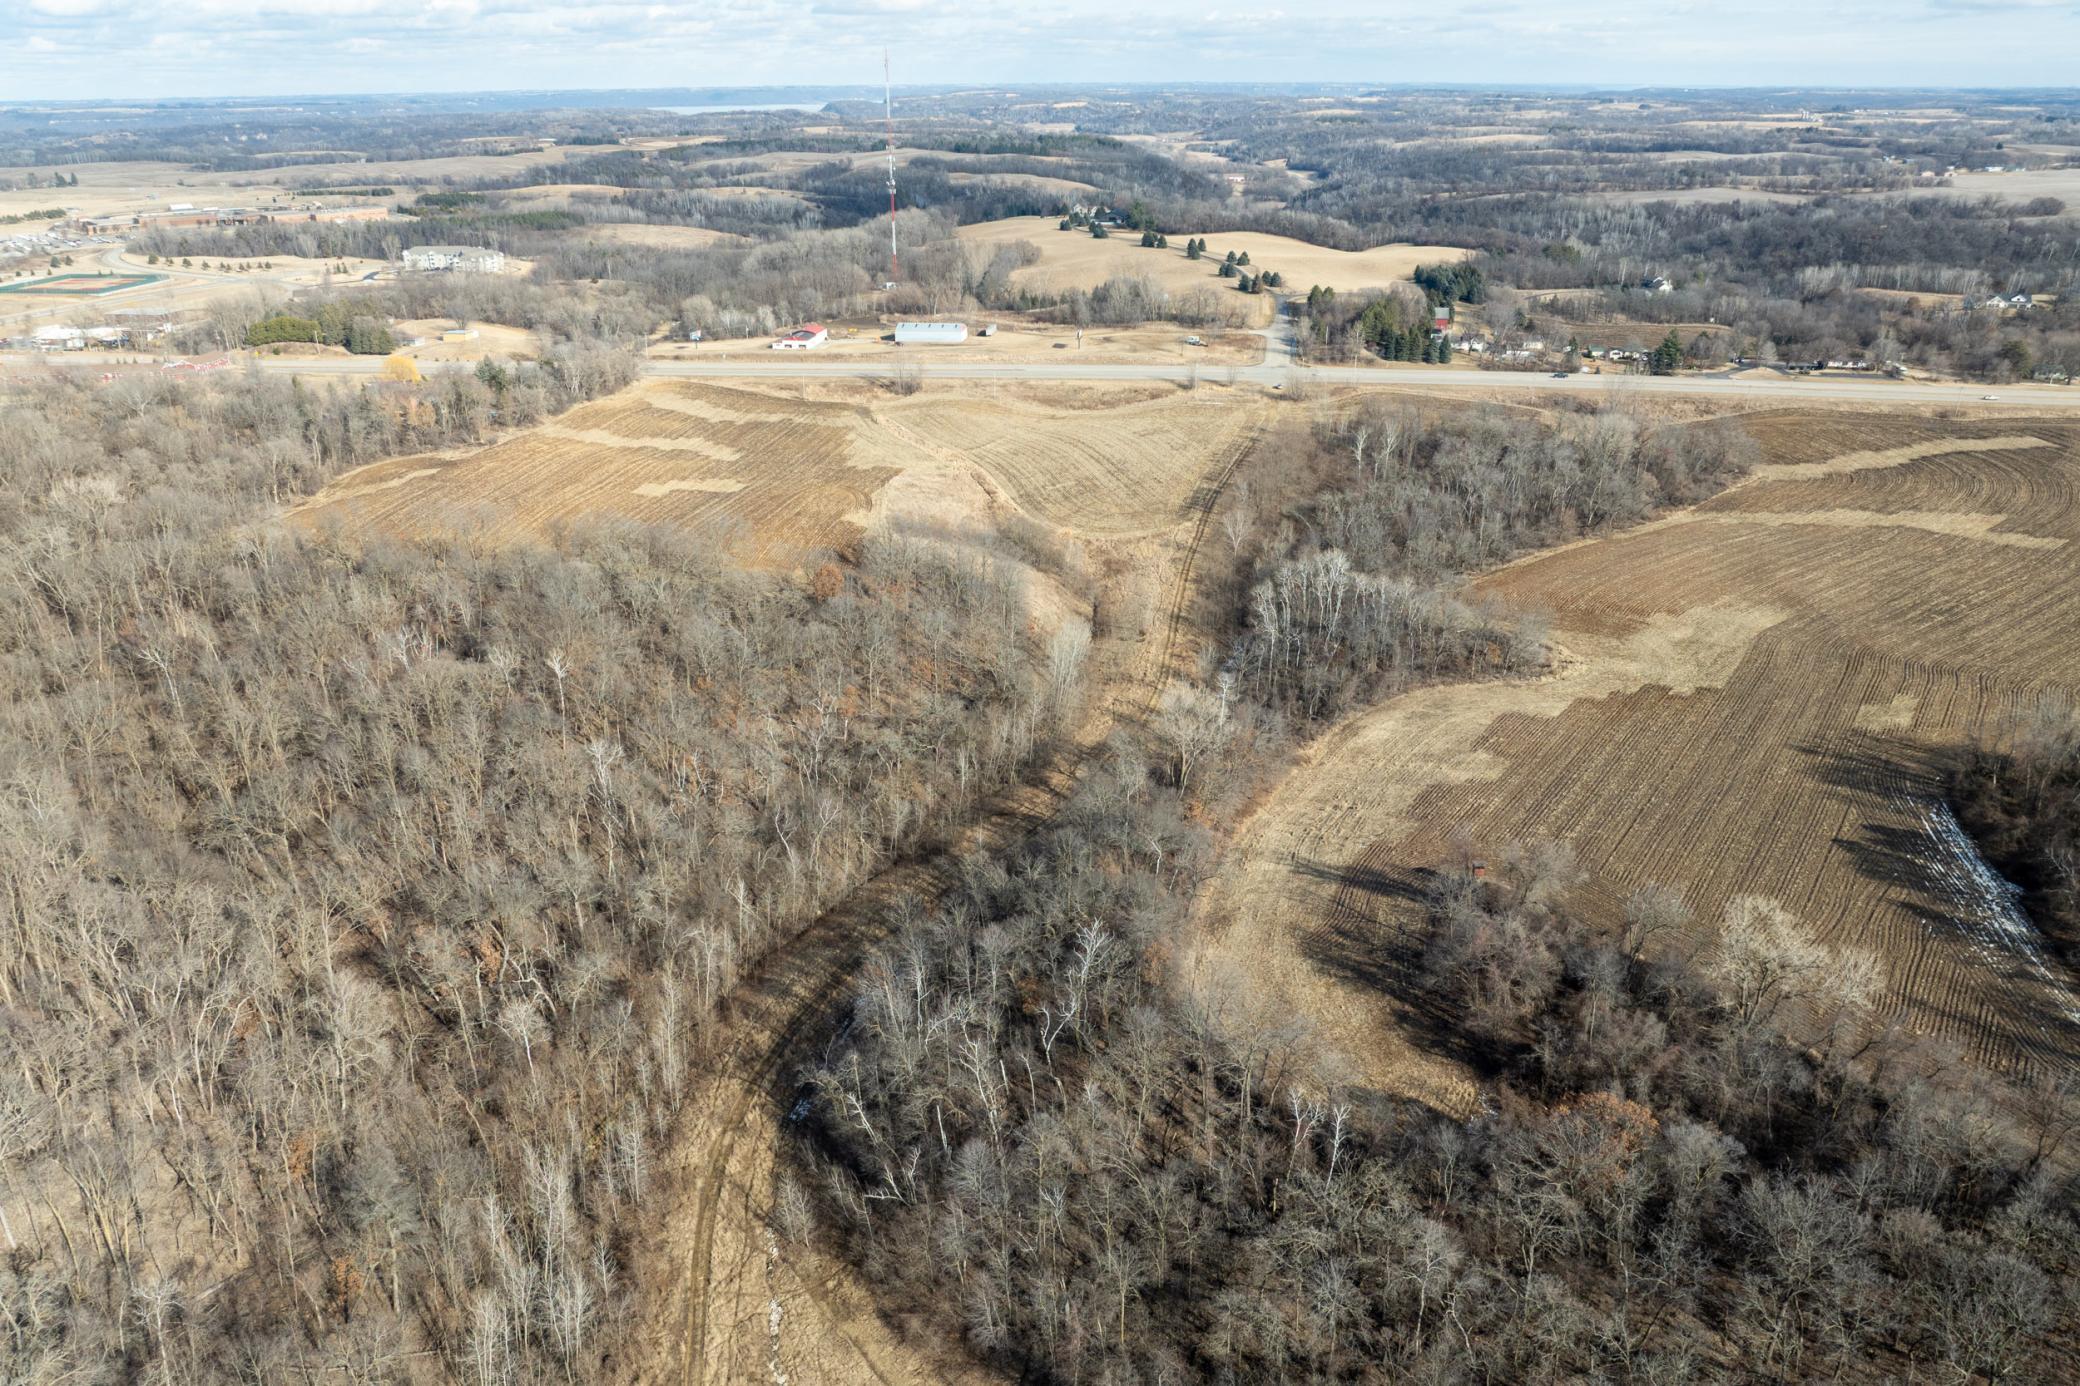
{"x":1987,"y":906}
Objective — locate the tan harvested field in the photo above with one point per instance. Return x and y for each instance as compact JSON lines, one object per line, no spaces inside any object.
{"x":1013,"y":342}
{"x":1076,"y":260}
{"x":1903,"y":297}
{"x":742,"y":191}
{"x":664,"y":237}
{"x":784,"y":473}
{"x":1060,"y":187}
{"x":1634,"y":197}
{"x":1488,"y":137}
{"x":1751,"y":700}
{"x":461,"y":167}
{"x":146,"y":185}
{"x":795,"y":160}
{"x":136,"y":186}
{"x":492,"y":339}
{"x":1111,"y":471}
{"x":1626,"y":335}
{"x":292,"y":270}
{"x":787,"y":472}
{"x":578,"y":192}
{"x":2020,"y":186}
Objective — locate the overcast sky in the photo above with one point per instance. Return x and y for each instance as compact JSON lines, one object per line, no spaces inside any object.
{"x":116,"y":48}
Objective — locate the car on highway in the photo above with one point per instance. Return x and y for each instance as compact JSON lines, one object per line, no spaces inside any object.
{"x":1989,"y":397}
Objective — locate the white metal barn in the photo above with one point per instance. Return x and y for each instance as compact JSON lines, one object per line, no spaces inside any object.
{"x":931,"y":333}
{"x":807,"y":337}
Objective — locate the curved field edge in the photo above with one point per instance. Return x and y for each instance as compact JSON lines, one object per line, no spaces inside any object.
{"x":1747,"y":701}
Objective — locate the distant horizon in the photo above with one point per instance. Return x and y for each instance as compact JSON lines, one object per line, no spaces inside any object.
{"x":247,"y":49}
{"x":798,"y":94}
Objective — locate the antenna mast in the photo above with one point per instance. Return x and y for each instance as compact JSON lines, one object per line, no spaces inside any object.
{"x":888,"y":92}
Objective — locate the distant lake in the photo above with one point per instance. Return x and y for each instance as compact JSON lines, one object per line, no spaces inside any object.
{"x":721,"y":110}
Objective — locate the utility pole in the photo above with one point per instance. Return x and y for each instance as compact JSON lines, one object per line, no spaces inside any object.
{"x":888,"y":93}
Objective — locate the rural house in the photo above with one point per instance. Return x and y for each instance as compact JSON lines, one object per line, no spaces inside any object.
{"x":807,"y":337}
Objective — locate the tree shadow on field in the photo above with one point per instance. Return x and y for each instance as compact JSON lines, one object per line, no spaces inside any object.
{"x":1373,"y":937}
{"x":1882,"y":779}
{"x":1873,"y":766}
{"x":1891,"y":782}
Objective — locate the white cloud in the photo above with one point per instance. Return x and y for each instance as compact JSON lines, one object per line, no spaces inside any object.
{"x":246,"y":47}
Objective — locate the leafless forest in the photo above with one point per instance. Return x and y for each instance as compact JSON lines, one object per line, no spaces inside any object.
{"x":365,"y":905}
{"x":379,"y":885}
{"x":1117,"y":1178}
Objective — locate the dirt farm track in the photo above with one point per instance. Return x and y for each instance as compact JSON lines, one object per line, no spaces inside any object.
{"x":1748,"y":702}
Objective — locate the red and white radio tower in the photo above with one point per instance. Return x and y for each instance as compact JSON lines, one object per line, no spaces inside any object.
{"x":888,"y":91}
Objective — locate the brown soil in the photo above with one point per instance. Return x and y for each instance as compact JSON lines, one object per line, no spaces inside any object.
{"x":1750,"y":698}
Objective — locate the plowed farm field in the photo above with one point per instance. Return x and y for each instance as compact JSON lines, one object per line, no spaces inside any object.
{"x":1077,"y":260}
{"x":787,"y":473}
{"x":1111,"y":470}
{"x":1751,"y":700}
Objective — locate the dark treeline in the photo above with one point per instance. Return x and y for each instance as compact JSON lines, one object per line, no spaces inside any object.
{"x":581,"y":287}
{"x":1394,"y":324}
{"x":580,"y":318}
{"x":378,"y":240}
{"x":971,"y":176}
{"x":1783,"y":279}
{"x":1786,"y":278}
{"x":1414,"y":147}
{"x":1031,"y":1138}
{"x":364,"y":902}
{"x":1355,"y":592}
{"x":1781,"y":276}
{"x":2018,"y":794}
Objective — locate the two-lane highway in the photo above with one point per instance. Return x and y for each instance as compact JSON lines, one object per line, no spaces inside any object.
{"x":1277,"y":374}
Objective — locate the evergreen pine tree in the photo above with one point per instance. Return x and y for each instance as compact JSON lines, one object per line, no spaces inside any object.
{"x":1666,"y":357}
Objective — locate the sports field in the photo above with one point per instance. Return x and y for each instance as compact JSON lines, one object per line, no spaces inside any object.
{"x":81,"y":285}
